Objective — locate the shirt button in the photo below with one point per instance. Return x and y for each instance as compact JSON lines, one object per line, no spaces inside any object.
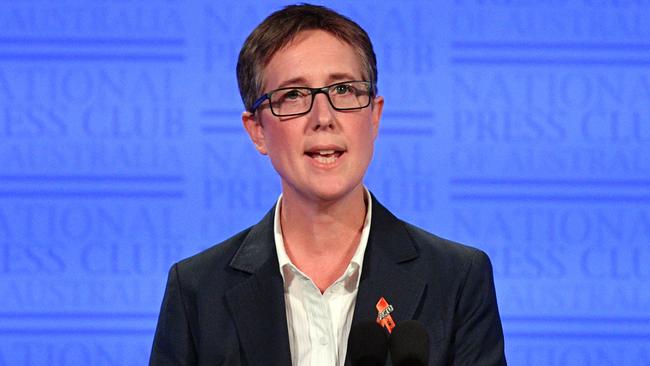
{"x":323,"y":340}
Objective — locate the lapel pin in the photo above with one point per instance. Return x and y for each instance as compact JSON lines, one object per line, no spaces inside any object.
{"x":383,"y":314}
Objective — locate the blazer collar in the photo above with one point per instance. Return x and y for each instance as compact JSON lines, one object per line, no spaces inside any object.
{"x":258,"y":246}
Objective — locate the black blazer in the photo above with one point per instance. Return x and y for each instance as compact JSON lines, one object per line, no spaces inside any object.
{"x":225,"y":306}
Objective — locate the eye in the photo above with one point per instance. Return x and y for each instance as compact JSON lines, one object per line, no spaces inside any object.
{"x":290,"y":95}
{"x":343,"y":89}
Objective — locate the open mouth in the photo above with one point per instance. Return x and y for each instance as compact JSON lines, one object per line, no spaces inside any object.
{"x":325,"y":156}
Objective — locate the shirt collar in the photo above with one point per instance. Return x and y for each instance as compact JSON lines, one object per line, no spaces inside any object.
{"x":356,"y":263}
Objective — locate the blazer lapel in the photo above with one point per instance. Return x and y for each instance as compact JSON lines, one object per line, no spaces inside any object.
{"x":388,"y":256}
{"x":257,"y":304}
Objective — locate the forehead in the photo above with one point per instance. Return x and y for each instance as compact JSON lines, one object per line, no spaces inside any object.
{"x":313,"y":58}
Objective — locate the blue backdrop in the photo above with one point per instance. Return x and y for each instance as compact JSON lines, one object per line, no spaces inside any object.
{"x":519,"y":127}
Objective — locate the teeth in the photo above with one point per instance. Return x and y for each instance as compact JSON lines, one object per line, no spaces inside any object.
{"x":325,"y":160}
{"x":325,"y":156}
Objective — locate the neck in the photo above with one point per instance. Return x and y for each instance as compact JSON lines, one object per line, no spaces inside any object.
{"x":322,"y":236}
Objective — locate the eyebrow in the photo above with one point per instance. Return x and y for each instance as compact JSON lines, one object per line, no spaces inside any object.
{"x":332,"y":78}
{"x":341,"y":77}
{"x":299,"y":81}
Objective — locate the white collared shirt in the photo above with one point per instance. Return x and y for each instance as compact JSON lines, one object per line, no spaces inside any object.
{"x":319,"y":324}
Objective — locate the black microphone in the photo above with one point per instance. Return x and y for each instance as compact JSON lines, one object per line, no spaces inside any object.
{"x":409,"y":344}
{"x":367,"y":344}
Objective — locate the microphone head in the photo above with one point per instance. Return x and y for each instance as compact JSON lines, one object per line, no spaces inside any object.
{"x":367,"y":344}
{"x":409,"y":344}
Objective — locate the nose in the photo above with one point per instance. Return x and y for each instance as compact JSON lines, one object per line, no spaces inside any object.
{"x":322,"y":112}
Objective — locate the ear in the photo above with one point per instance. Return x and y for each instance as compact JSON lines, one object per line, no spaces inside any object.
{"x":255,"y":131}
{"x":377,"y":108}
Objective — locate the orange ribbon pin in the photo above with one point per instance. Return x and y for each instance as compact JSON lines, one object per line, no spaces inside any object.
{"x":383,"y":314}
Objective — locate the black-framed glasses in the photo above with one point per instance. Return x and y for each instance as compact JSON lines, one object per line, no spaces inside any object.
{"x":293,"y":101}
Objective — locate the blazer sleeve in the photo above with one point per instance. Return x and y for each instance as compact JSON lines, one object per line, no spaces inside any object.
{"x":478,"y":335}
{"x":173,"y":343}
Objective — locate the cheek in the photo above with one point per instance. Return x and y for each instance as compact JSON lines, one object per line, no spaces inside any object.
{"x":366,"y":149}
{"x":370,"y":148}
{"x":368,"y":138}
{"x":280,"y":144}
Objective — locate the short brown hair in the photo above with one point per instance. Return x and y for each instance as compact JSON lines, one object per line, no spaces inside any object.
{"x":280,"y":28}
